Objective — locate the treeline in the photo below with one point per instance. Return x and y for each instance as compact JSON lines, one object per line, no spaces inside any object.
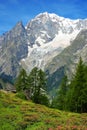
{"x":72,"y":95}
{"x":32,"y":86}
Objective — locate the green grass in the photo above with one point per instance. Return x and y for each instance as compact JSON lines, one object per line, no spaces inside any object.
{"x":18,"y":114}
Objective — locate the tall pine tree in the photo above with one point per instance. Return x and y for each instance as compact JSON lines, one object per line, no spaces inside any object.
{"x":75,"y":96}
{"x":37,"y":81}
{"x":21,"y":81}
{"x":60,"y":100}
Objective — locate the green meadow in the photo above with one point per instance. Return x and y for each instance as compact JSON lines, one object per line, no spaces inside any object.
{"x":19,"y":114}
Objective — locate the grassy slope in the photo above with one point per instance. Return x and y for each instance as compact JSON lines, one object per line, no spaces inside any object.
{"x":17,"y":114}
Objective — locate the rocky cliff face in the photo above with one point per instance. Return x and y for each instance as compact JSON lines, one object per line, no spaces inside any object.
{"x":67,"y":60}
{"x":48,"y":35}
{"x":13,"y":47}
{"x":36,"y":44}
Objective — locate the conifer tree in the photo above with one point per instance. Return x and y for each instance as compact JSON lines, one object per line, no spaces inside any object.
{"x":74,"y":98}
{"x":83,"y":96}
{"x":37,"y":81}
{"x":60,"y":100}
{"x":22,"y":81}
{"x":33,"y":79}
{"x":33,"y":86}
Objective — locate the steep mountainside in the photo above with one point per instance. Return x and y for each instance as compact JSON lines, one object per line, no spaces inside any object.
{"x":48,"y":35}
{"x":13,"y":47}
{"x":36,"y":44}
{"x":67,"y":59}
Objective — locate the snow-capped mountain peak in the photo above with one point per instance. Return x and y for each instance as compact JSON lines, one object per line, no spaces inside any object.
{"x":45,"y":27}
{"x":49,"y":15}
{"x":44,"y":37}
{"x":48,"y":35}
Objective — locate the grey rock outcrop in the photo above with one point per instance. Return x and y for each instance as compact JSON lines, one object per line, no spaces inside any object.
{"x":13,"y":47}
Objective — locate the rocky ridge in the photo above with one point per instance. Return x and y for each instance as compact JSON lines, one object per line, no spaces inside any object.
{"x":36,"y":44}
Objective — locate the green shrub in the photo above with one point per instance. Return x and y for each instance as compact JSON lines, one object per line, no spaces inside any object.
{"x":21,"y":95}
{"x":7,"y":126}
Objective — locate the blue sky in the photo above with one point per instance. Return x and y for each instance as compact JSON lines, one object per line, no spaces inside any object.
{"x":12,"y":11}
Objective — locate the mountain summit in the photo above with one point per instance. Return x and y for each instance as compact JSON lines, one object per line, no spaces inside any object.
{"x":36,"y":44}
{"x":48,"y":34}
